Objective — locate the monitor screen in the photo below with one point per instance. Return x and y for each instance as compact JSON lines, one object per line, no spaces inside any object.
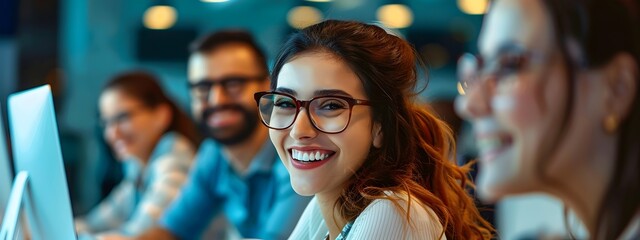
{"x":36,"y":150}
{"x":6,"y":176}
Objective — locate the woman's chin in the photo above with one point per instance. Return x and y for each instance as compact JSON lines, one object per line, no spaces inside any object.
{"x":123,"y":156}
{"x":302,"y":190}
{"x":488,"y":194}
{"x":492,"y":188}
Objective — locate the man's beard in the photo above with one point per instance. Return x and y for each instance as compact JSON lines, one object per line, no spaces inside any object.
{"x":231,"y":135}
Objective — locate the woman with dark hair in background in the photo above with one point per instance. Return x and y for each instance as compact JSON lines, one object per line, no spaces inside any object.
{"x":156,"y":142}
{"x":555,"y":107}
{"x":344,"y":122}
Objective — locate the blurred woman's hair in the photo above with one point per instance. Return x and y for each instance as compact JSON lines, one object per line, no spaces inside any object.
{"x":417,"y":153}
{"x":144,"y":87}
{"x":602,"y":29}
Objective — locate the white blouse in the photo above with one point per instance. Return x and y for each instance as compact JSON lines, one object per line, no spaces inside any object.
{"x":382,"y":219}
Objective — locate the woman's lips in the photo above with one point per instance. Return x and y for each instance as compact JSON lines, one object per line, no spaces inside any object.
{"x":308,"y":157}
{"x":491,"y":145}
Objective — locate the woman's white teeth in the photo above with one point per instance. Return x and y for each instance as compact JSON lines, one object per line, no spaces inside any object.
{"x":490,"y":144}
{"x":308,"y":156}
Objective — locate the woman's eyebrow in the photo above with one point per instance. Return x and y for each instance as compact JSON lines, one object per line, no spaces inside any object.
{"x":325,"y":92}
{"x":287,"y":91}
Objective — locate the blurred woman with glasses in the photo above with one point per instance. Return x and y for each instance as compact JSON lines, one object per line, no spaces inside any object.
{"x":553,"y":98}
{"x":343,"y":119}
{"x":156,"y":142}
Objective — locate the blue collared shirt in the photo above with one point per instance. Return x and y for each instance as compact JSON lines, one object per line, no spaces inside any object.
{"x":260,"y":204}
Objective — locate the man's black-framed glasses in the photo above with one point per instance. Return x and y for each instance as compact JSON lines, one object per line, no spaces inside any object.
{"x":328,"y":114}
{"x":232,"y":86}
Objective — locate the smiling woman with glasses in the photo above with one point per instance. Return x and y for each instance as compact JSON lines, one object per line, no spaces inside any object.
{"x":343,"y":118}
{"x":156,"y":142}
{"x":556,"y":109}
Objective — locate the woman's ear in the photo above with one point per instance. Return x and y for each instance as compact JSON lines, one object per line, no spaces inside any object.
{"x":377,"y":135}
{"x":621,"y":85}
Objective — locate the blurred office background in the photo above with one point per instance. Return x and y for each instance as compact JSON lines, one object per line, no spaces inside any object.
{"x":77,"y":45}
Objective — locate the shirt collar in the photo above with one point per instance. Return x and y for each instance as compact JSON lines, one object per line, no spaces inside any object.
{"x":263,"y":161}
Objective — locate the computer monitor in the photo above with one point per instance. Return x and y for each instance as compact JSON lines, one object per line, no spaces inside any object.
{"x":40,"y":185}
{"x":6,"y":174}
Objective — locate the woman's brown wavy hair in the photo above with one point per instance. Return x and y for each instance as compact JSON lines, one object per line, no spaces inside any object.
{"x":417,"y":153}
{"x":602,"y":29}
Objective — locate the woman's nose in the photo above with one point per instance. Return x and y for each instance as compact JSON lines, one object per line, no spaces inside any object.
{"x":476,"y":101}
{"x":302,"y":127}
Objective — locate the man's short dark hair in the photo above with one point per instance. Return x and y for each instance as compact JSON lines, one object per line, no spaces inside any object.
{"x":217,"y":39}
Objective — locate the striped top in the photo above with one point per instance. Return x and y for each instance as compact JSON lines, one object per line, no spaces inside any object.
{"x":136,"y":204}
{"x":382,"y":219}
